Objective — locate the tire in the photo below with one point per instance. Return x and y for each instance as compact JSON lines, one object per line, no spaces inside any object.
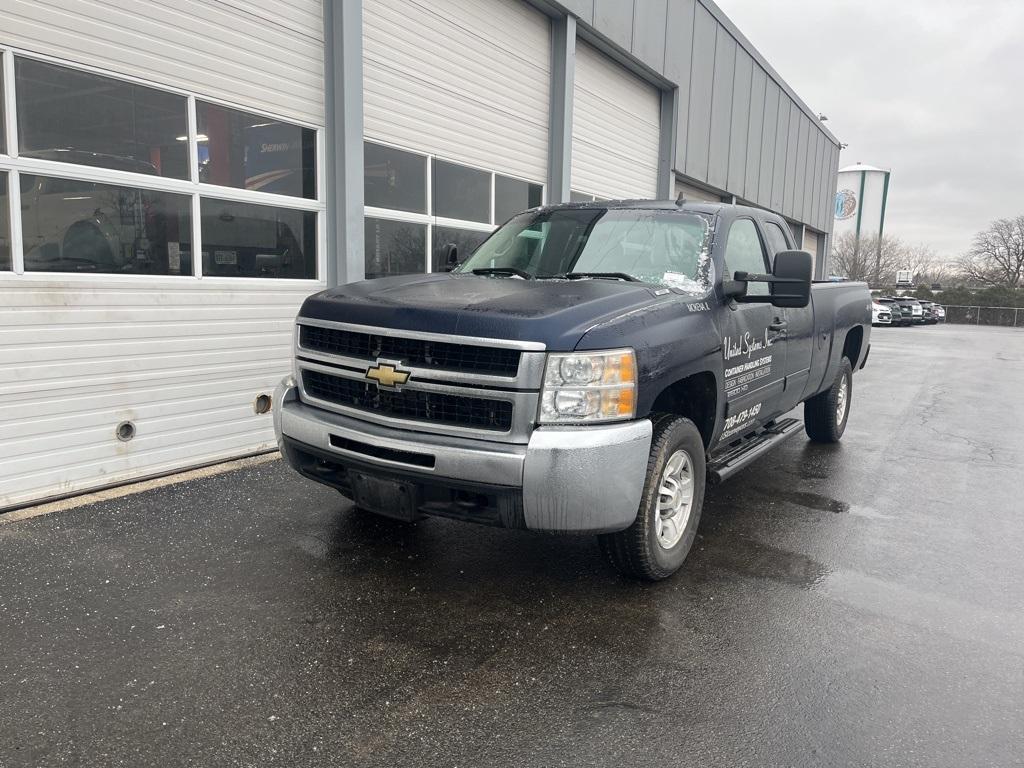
{"x":639,"y":551}
{"x":824,"y":419}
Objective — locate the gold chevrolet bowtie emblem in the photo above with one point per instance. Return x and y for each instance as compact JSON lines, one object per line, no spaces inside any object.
{"x":387,"y":375}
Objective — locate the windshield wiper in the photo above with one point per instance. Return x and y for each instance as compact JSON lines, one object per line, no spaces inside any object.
{"x":601,"y":276}
{"x":503,"y":271}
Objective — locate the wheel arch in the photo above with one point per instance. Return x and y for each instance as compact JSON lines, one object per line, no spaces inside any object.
{"x":853,"y":344}
{"x":694,"y":397}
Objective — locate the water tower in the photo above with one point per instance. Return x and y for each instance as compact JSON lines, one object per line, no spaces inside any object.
{"x":861,"y":195}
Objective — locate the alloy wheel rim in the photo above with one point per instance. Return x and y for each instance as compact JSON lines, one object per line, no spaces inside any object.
{"x":675,"y":500}
{"x":841,"y":399}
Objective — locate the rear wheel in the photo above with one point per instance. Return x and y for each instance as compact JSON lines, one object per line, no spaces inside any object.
{"x":656,"y":544}
{"x":826,"y":414}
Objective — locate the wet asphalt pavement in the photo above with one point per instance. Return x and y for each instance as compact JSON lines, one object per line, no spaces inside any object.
{"x":859,"y":605}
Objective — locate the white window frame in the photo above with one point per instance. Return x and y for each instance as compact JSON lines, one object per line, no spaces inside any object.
{"x":431,"y":221}
{"x":14,"y":165}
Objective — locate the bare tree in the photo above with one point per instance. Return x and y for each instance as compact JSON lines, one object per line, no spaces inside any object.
{"x":871,"y":259}
{"x":996,"y":257}
{"x":848,"y":258}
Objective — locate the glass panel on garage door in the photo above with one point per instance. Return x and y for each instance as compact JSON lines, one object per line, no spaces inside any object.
{"x":247,"y":240}
{"x":248,"y":151}
{"x":403,"y":236}
{"x":80,"y":117}
{"x":68,"y":225}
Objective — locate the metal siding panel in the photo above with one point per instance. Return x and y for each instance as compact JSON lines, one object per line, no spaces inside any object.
{"x":211,"y":48}
{"x":833,"y":174}
{"x":698,"y":128}
{"x":792,"y":141}
{"x":182,"y":359}
{"x":810,"y":175}
{"x":678,"y":57}
{"x":826,"y":195}
{"x":800,"y":177}
{"x":482,"y":99}
{"x":614,"y":20}
{"x":739,"y":133}
{"x":616,"y":129}
{"x":768,"y":135}
{"x":721,"y":109}
{"x":582,"y":9}
{"x":825,"y":203}
{"x":755,"y":126}
{"x":649,"y":20}
{"x":779,"y":161}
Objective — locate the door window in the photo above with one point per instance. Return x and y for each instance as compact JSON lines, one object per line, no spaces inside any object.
{"x":744,"y":253}
{"x":776,"y":239}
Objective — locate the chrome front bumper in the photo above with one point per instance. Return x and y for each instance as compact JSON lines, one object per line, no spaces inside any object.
{"x":567,"y":479}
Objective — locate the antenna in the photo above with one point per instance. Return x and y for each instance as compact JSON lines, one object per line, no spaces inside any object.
{"x":680,"y":201}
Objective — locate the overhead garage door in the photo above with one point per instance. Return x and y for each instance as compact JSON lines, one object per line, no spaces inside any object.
{"x":615,"y":129}
{"x":695,"y":194}
{"x":456,"y":102}
{"x":464,"y":81}
{"x":812,"y":241}
{"x":127,"y":351}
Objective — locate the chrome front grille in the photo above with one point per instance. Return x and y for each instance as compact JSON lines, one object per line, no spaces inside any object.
{"x":434,"y":407}
{"x":456,"y":385}
{"x":440,"y":355}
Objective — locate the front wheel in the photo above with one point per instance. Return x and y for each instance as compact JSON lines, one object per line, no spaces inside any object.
{"x":656,"y":544}
{"x":826,"y":414}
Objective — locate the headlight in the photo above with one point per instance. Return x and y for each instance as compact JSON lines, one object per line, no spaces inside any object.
{"x":589,"y":386}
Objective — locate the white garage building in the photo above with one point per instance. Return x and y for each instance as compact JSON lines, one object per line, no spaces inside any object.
{"x":175,"y":177}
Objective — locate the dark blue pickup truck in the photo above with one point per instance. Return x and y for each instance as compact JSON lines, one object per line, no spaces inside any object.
{"x":590,"y":368}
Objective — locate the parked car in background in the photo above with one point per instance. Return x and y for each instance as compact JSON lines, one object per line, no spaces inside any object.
{"x":899,"y":316}
{"x":915,"y":308}
{"x":930,"y":315}
{"x":880,"y":314}
{"x":940,"y":313}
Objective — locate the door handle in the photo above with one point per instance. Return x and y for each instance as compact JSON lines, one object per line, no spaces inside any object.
{"x":777,"y":329}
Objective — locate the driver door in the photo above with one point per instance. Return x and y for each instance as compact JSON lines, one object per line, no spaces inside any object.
{"x":753,"y":348}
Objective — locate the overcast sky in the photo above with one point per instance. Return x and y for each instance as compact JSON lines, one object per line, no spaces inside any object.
{"x":931,"y":89}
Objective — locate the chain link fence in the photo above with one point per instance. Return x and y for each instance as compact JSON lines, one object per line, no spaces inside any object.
{"x":1009,"y":316}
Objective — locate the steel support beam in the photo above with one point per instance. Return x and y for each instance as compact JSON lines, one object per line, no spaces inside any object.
{"x":343,"y":82}
{"x":563,"y":76}
{"x":667,"y":143}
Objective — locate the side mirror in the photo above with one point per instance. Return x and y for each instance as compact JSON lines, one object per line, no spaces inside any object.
{"x":791,"y":283}
{"x":450,"y":256}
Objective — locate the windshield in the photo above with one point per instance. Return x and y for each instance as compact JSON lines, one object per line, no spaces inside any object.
{"x":663,"y":247}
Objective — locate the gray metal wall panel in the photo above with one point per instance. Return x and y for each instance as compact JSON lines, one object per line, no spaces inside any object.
{"x":813,"y":145}
{"x":582,"y":9}
{"x":739,"y":133}
{"x":800,"y":177}
{"x":755,"y":125}
{"x":698,"y":130}
{"x":768,"y":133}
{"x":827,"y":191}
{"x":831,"y":179}
{"x":779,"y":158}
{"x":792,"y":140}
{"x":678,"y":54}
{"x":721,"y":109}
{"x":821,"y":195}
{"x":615,"y":20}
{"x":740,"y":128}
{"x":649,"y":25}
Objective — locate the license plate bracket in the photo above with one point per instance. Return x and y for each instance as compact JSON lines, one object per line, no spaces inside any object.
{"x":391,"y":498}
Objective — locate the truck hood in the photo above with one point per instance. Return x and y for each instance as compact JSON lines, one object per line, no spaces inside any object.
{"x":555,"y":313}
